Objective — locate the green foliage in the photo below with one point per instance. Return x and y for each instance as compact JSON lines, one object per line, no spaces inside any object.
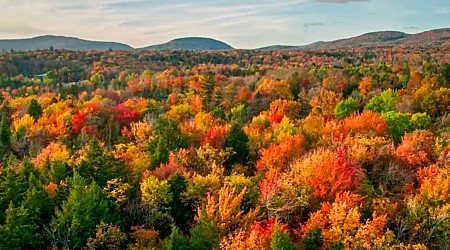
{"x":13,"y":186}
{"x":98,"y":165}
{"x":85,"y":207}
{"x":313,"y":240}
{"x":167,"y":137}
{"x":337,"y":246}
{"x":345,"y":107}
{"x":54,"y":171}
{"x":180,"y":211}
{"x":236,"y":140}
{"x":397,"y":124}
{"x":280,"y":240}
{"x":34,"y":109}
{"x":175,"y":241}
{"x":37,"y":202}
{"x":420,"y":121}
{"x":384,"y":102}
{"x":5,"y":135}
{"x":204,"y":235}
{"x":207,"y":90}
{"x":18,"y":232}
{"x":238,"y":114}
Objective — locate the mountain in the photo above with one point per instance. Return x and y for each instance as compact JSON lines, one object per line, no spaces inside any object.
{"x":286,"y":47}
{"x":390,"y":39}
{"x":431,"y":37}
{"x":191,"y":43}
{"x":59,"y":42}
{"x":278,"y":47}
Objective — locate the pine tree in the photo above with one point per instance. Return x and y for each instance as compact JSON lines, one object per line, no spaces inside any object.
{"x":175,"y":241}
{"x":5,"y":134}
{"x":167,"y":137}
{"x":85,"y":207}
{"x":18,"y":232}
{"x":204,"y":235}
{"x":34,"y":109}
{"x":99,"y":166}
{"x":280,"y":240}
{"x":179,"y":210}
{"x":236,"y":140}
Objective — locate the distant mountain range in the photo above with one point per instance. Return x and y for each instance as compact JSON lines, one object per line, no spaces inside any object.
{"x":59,"y":42}
{"x":374,"y":39}
{"x":191,"y":43}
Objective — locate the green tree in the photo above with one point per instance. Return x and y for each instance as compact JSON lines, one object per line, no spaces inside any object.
{"x":280,"y":240}
{"x":313,"y":240}
{"x":34,"y":109}
{"x":85,"y":207}
{"x":204,"y":235}
{"x":397,"y":124}
{"x":175,"y":241}
{"x":420,"y":121}
{"x":345,"y":107}
{"x":13,"y":185}
{"x":207,"y":90}
{"x":18,"y":232}
{"x":236,"y":140}
{"x":50,"y":77}
{"x":5,"y":135}
{"x":179,"y":210}
{"x":167,"y":137}
{"x":99,"y":165}
{"x":384,"y":102}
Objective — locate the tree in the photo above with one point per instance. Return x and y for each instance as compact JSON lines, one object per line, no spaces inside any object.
{"x":383,"y":103}
{"x":175,"y":241}
{"x":34,"y":109}
{"x":99,"y":165}
{"x":5,"y":135}
{"x":207,"y":90}
{"x":179,"y":210}
{"x":236,"y":140}
{"x":167,"y":137}
{"x":280,"y":240}
{"x":85,"y":207}
{"x":18,"y":232}
{"x":204,"y":235}
{"x":345,"y":107}
{"x":396,"y":124}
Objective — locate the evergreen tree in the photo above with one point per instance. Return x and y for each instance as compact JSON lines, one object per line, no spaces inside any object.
{"x":179,"y":210}
{"x":280,"y":240}
{"x":204,"y":235}
{"x":5,"y":134}
{"x":85,"y":207}
{"x":18,"y":232}
{"x":167,"y":138}
{"x":236,"y":140}
{"x":175,"y":241}
{"x":34,"y":109}
{"x":98,"y":165}
{"x":207,"y":90}
{"x":14,"y":185}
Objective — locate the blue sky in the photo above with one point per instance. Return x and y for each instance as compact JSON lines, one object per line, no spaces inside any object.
{"x":242,"y":24}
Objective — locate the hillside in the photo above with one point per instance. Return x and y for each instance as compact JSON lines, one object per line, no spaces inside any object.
{"x":191,"y":43}
{"x":432,"y":37}
{"x":390,"y":39}
{"x":59,"y":42}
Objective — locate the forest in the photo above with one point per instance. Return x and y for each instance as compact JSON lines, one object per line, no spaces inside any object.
{"x":238,"y":149}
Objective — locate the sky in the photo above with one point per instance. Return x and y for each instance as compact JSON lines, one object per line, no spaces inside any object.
{"x":244,"y":24}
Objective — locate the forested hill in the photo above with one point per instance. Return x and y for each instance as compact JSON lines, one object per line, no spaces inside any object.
{"x":59,"y":42}
{"x":191,"y":43}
